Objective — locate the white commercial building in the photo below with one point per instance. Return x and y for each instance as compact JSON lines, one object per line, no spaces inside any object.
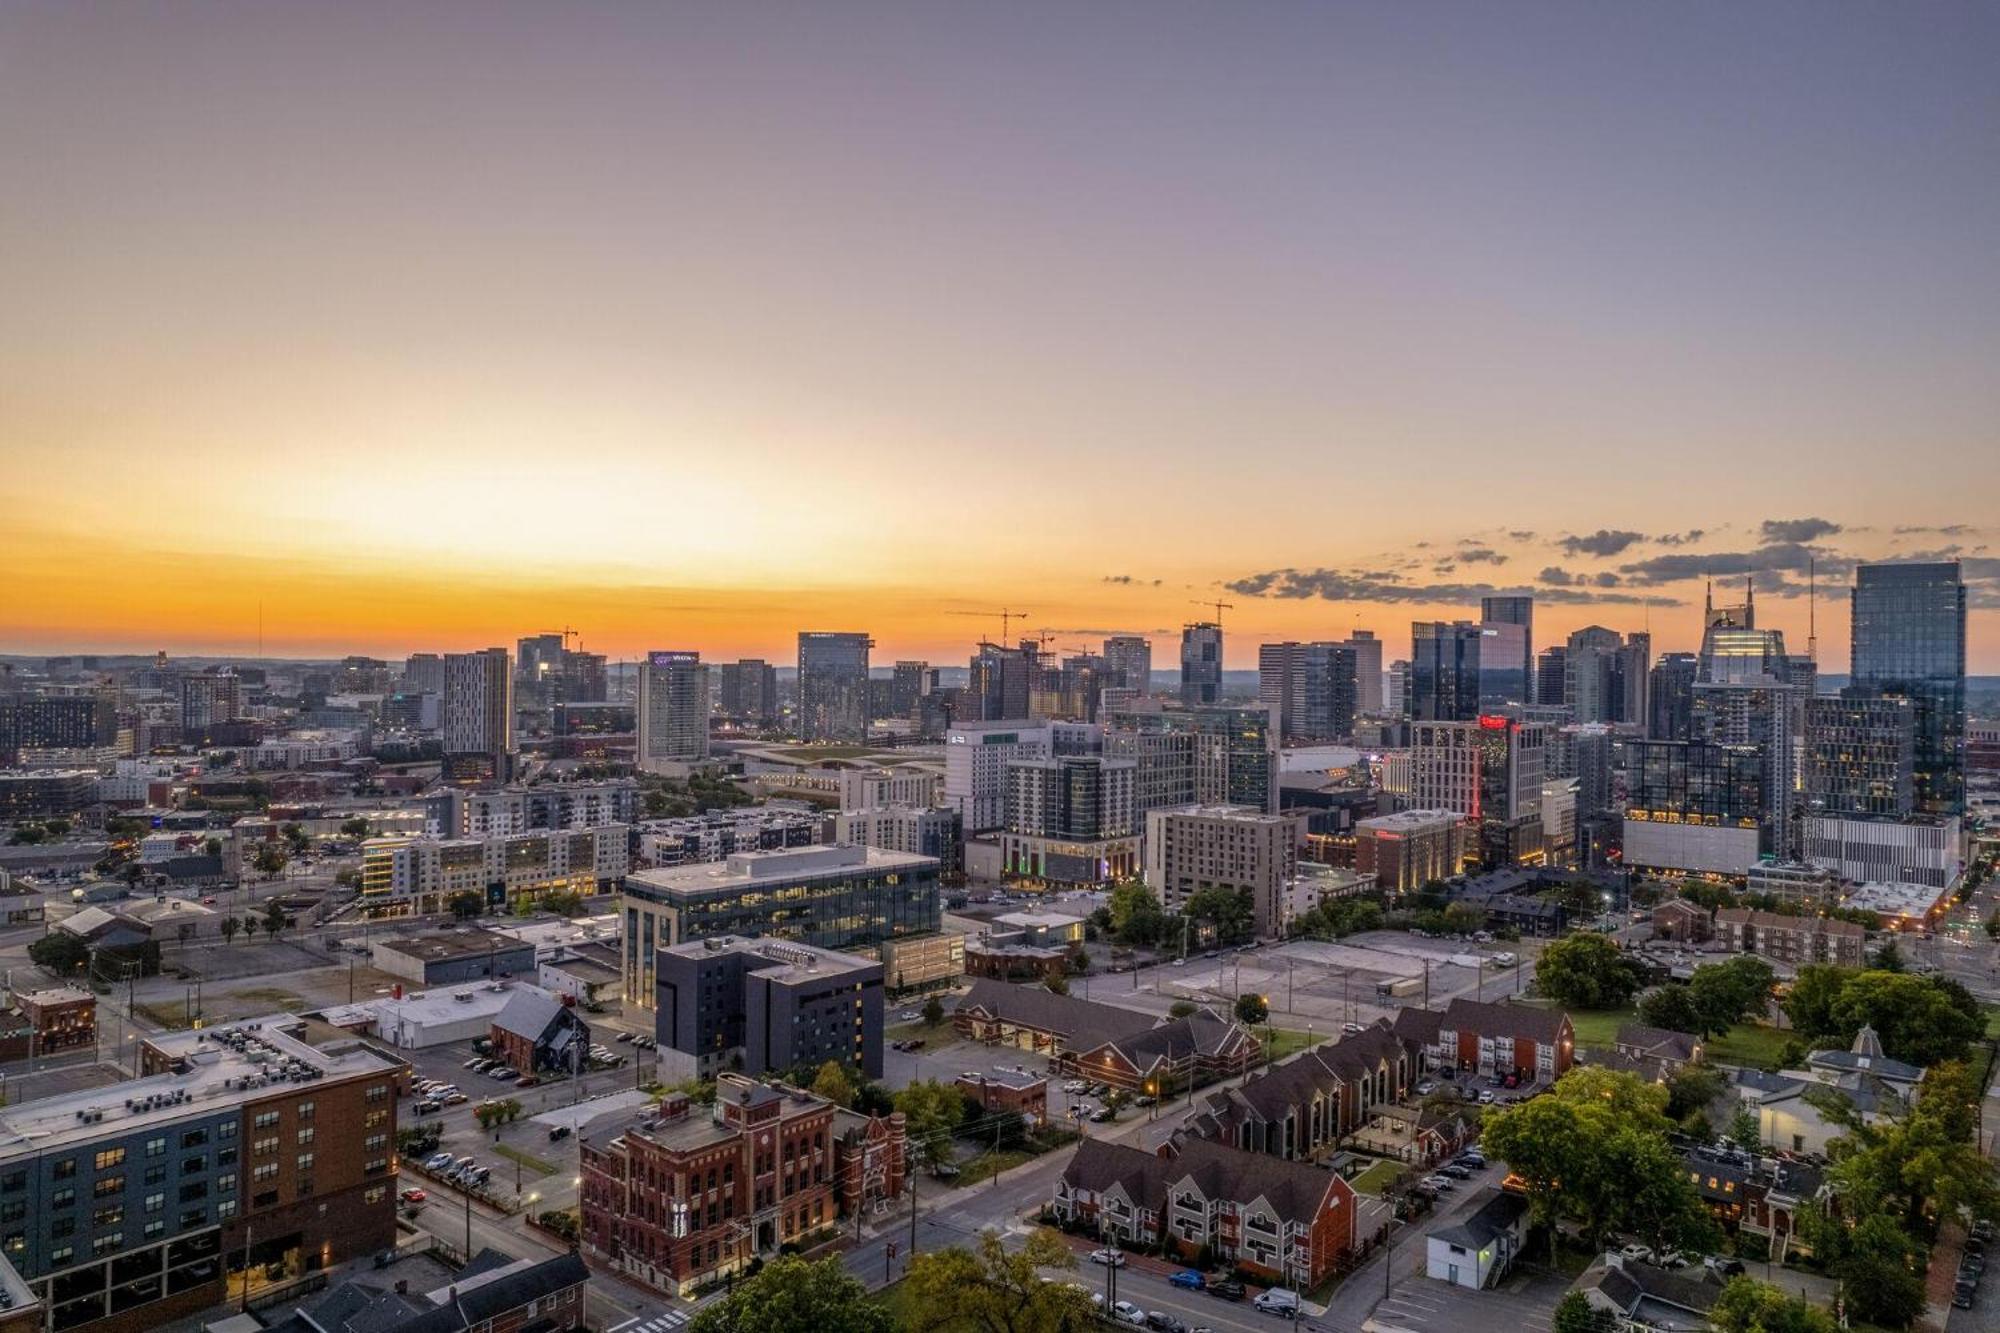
{"x":976,"y":756}
{"x":1929,"y":852}
{"x":1190,"y":848}
{"x":445,"y":1014}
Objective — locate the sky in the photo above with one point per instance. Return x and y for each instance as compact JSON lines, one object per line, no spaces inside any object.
{"x":388,"y":327}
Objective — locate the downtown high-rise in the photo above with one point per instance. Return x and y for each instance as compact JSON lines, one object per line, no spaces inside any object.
{"x":833,"y":686}
{"x":1201,"y":663}
{"x":672,"y":710}
{"x":478,"y":715}
{"x":1908,"y":639}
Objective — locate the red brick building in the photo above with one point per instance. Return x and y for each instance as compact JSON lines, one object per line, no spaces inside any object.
{"x":1021,"y":1094}
{"x":870,"y":1159}
{"x":1282,"y":1222}
{"x":1472,"y":1036}
{"x":688,"y":1195}
{"x":43,"y":1022}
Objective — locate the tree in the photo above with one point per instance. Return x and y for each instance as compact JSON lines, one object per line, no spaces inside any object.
{"x":1135,"y":913}
{"x":1693,"y":1088}
{"x":834,"y":1084}
{"x":1670,"y":1007}
{"x":466,"y":904}
{"x":60,"y":952}
{"x":229,"y":925}
{"x":933,"y":1011}
{"x":1252,"y":1010}
{"x":1888,"y":958}
{"x":211,"y":846}
{"x":270,"y":860}
{"x":355,"y":828}
{"x":1078,"y":959}
{"x":1586,"y":971}
{"x":251,"y":925}
{"x":1724,"y":994}
{"x":1228,"y":911}
{"x":1815,"y":990}
{"x":1878,"y":1264}
{"x":794,"y":1293}
{"x":996,"y":1290}
{"x":562,"y":904}
{"x":1575,"y":1314}
{"x":1595,"y":1153}
{"x":1749,"y":1306}
{"x":1181,"y":1008}
{"x":931,"y":1112}
{"x":1057,"y":984}
{"x":1993,"y":925}
{"x":1743,"y":1130}
{"x":1921,"y":1020}
{"x":275,"y":920}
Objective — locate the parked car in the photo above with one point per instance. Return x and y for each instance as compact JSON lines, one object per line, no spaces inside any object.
{"x":557,"y":1133}
{"x":625,"y":1036}
{"x":1723,"y":1266}
{"x":1455,"y":1172}
{"x":1486,"y":1096}
{"x":1127,"y":1313}
{"x":1228,"y":1288}
{"x":414,"y":1196}
{"x":429,"y":1107}
{"x":1100,"y":1115}
{"x":1109,"y":1257}
{"x":1971,"y":1262}
{"x":438,"y":1161}
{"x":1982,"y":1229}
{"x":1962,"y":1295}
{"x":1426,"y":1088}
{"x":908,"y":1016}
{"x":1469,"y":1158}
{"x":1278,"y":1300}
{"x":1442,"y":1184}
{"x":1188,"y":1278}
{"x":1636,"y":1253}
{"x":1164,"y":1322}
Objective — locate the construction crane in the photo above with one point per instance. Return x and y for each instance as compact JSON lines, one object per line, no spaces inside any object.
{"x":1007,"y":617}
{"x":1220,"y":607}
{"x":567,"y":634}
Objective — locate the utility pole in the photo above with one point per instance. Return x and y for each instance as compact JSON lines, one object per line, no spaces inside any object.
{"x":248,"y":1231}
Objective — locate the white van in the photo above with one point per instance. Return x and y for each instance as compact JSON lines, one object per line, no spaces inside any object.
{"x":1278,"y":1300}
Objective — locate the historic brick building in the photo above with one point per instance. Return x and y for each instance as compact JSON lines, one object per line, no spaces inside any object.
{"x":688,"y":1194}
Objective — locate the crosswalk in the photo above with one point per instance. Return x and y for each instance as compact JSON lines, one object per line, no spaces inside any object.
{"x":661,"y":1323}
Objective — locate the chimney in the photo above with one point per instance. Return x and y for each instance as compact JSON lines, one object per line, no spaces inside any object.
{"x":402,"y":1286}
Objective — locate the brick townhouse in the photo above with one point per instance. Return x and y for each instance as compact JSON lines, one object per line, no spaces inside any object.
{"x":1794,"y":940}
{"x":1472,"y":1036}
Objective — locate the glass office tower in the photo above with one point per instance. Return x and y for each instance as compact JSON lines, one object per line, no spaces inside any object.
{"x":1908,"y":639}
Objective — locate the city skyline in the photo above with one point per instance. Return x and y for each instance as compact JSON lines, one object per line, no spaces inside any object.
{"x":429,"y":328}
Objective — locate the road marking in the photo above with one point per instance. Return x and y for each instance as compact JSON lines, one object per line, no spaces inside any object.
{"x":627,"y":1324}
{"x":662,"y":1323}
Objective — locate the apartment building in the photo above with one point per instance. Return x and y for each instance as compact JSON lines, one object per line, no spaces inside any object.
{"x":757,"y":1005}
{"x":126,"y":1207}
{"x":1792,"y":940}
{"x":1191,"y":848}
{"x":413,"y":876}
{"x":1475,"y":1037}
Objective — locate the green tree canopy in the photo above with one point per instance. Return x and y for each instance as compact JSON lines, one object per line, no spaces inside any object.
{"x":791,"y":1293}
{"x":1586,"y":971}
{"x":1252,"y":1009}
{"x":1724,"y":994}
{"x":1228,"y":911}
{"x":1671,"y":1007}
{"x":933,"y":1011}
{"x":60,"y":952}
{"x":834,"y":1083}
{"x":996,"y":1290}
{"x":932,"y":1112}
{"x":1749,"y":1306}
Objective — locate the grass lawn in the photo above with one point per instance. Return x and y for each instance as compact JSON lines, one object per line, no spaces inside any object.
{"x":529,"y":1162}
{"x":1281,"y":1043}
{"x":984,"y":1165}
{"x":941,"y":1035}
{"x":1377,"y":1177}
{"x":1992,"y":1021}
{"x":1750,"y":1044}
{"x":1597,"y":1029}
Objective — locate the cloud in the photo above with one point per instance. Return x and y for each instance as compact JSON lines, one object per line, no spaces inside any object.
{"x":1775,"y":557}
{"x":1332,"y":585}
{"x":1481,"y":555}
{"x":1798,"y":529}
{"x":1520,"y":535}
{"x":1127,"y":581}
{"x":1603,"y":542}
{"x":1556,"y":577}
{"x":1687,"y":538}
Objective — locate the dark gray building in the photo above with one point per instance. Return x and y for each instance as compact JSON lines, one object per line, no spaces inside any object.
{"x":833,"y":686}
{"x":1444,"y":671}
{"x":1860,"y":754}
{"x":1670,"y":698}
{"x":759,"y":1005}
{"x":450,"y":956}
{"x":1517,"y":611}
{"x":1908,"y":639}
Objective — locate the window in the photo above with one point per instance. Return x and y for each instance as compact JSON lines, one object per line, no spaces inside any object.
{"x":225,"y":1156}
{"x":268,"y":1171}
{"x":376,"y":1166}
{"x":15,"y":1211}
{"x":375,"y":1194}
{"x":264,"y":1147}
{"x":305,"y":1161}
{"x":192,"y":1217}
{"x":65,"y":1169}
{"x":226,"y":1184}
{"x":157,"y":1227}
{"x":304,"y":1110}
{"x":61,"y":1255}
{"x":106,"y":1244}
{"x":376,"y":1142}
{"x":225,"y":1209}
{"x":191,"y":1166}
{"x":108,"y":1216}
{"x":62,"y":1198}
{"x":62,"y":1226}
{"x":13,"y":1182}
{"x":108,"y":1186}
{"x":225,"y":1130}
{"x":378,"y":1092}
{"x":196,"y":1190}
{"x":156,"y":1147}
{"x":156,"y":1174}
{"x":16,"y":1242}
{"x":268,"y":1120}
{"x":376,"y":1118}
{"x":155,"y":1202}
{"x":306,"y":1135}
{"x":194,"y":1138}
{"x":110,"y":1157}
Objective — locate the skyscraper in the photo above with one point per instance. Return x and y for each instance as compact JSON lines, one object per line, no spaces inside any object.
{"x":1489,"y":770}
{"x":478,"y":715}
{"x":1310,"y":688}
{"x":906,"y":687}
{"x":1604,"y":675}
{"x":1444,"y":671}
{"x":1129,"y":660}
{"x":1860,"y":754}
{"x":833,"y":686}
{"x":1367,"y":672}
{"x":208,"y":698}
{"x":1201,"y":663}
{"x":672,"y":710}
{"x":1516,"y":611}
{"x":1670,"y":694}
{"x":1000,"y":679}
{"x":1908,"y":639}
{"x":1743,"y":695}
{"x":1551,"y":669}
{"x":747,"y":691}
